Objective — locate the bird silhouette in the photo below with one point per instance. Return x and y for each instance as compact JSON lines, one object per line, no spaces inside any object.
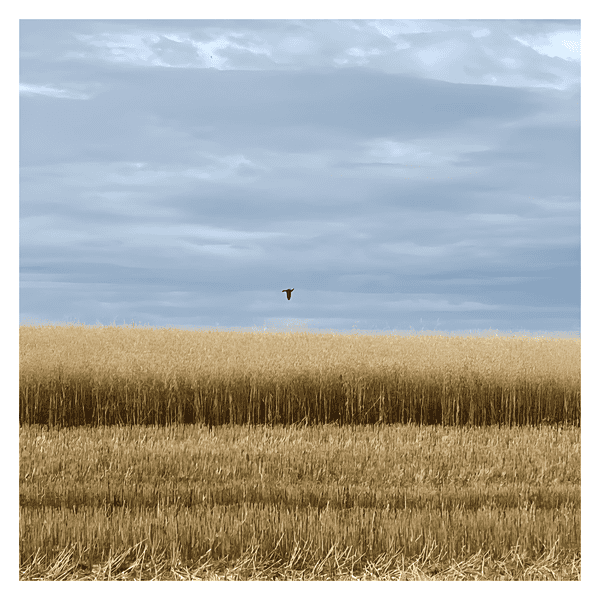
{"x":289,"y":293}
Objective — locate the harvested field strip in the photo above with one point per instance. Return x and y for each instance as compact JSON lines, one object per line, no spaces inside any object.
{"x":229,"y":531}
{"x":186,"y":492}
{"x":136,"y":564}
{"x":77,"y":375}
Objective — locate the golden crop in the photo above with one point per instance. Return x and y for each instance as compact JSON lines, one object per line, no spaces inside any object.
{"x":316,"y":502}
{"x":76,"y":375}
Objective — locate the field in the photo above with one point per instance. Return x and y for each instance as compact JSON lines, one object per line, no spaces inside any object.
{"x":73,"y":376}
{"x":166,"y":454}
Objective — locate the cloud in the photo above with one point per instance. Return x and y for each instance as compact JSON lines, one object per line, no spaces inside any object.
{"x":432,"y":164}
{"x":44,"y":90}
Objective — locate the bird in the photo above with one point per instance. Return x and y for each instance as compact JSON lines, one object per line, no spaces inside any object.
{"x":289,"y":293}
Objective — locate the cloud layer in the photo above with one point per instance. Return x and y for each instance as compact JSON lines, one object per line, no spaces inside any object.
{"x":397,"y":174}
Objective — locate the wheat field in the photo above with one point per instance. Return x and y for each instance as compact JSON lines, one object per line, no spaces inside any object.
{"x":79,"y":375}
{"x":301,"y":502}
{"x":171,"y":454}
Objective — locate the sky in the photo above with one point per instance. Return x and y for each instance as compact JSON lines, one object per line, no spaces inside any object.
{"x":398,"y":174}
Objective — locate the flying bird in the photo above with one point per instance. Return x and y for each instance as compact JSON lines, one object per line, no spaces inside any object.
{"x":289,"y":293}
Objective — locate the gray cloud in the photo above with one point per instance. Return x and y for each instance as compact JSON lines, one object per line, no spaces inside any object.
{"x":395,"y":173}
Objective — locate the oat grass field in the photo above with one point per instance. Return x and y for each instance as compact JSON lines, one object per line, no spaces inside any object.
{"x":174,"y":454}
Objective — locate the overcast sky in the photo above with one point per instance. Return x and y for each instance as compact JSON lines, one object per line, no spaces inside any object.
{"x":396,"y":174}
